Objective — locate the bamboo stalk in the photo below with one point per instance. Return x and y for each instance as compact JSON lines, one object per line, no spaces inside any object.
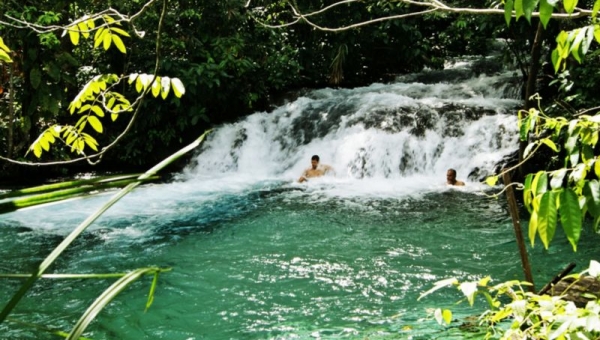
{"x":49,"y":260}
{"x":65,"y":185}
{"x":60,"y":195}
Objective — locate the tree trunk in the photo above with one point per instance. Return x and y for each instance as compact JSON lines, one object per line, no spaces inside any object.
{"x":530,"y":87}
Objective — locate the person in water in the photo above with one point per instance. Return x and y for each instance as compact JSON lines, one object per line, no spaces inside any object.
{"x":315,"y":170}
{"x":451,"y":178}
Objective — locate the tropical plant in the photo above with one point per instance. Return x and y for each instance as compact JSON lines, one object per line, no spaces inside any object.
{"x":516,"y":313}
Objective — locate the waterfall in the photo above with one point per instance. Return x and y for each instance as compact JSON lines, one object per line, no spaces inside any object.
{"x":418,"y":126}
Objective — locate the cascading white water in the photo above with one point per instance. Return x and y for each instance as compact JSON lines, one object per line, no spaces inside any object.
{"x":403,"y":132}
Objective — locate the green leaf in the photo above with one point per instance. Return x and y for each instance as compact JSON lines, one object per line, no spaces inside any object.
{"x":508,"y":8}
{"x":107,"y":40}
{"x":119,"y":43}
{"x":528,"y":7}
{"x":597,"y":168}
{"x":591,"y":191}
{"x":74,"y":36}
{"x":570,"y":5}
{"x":37,"y":150}
{"x":540,"y":183}
{"x":3,"y":47}
{"x":547,"y":218}
{"x":519,"y":9}
{"x":119,"y":31}
{"x":570,"y":216}
{"x":99,"y":36}
{"x":98,"y":111}
{"x":557,"y":178}
{"x":533,"y":224}
{"x":35,"y":77}
{"x":596,"y":8}
{"x":156,"y":87}
{"x":528,"y":192}
{"x":165,"y":83}
{"x":550,"y":144}
{"x":95,"y":123}
{"x":177,"y":87}
{"x":83,"y":29}
{"x":546,"y":10}
{"x":491,"y":180}
{"x":5,"y":57}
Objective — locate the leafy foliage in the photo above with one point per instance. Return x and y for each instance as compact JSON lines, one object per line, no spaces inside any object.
{"x":514,"y":313}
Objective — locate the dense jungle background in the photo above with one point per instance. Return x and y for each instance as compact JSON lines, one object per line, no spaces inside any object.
{"x":232,"y":66}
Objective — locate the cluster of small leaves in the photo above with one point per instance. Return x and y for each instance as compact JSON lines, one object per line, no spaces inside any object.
{"x":575,"y":42}
{"x":95,"y":100}
{"x":518,"y":314}
{"x":4,"y":51}
{"x":570,"y":192}
{"x":107,"y":34}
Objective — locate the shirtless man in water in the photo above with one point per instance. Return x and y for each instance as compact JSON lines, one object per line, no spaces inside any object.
{"x":451,"y":178}
{"x":316,"y":170}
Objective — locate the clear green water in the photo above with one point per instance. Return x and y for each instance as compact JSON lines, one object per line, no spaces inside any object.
{"x":271,"y":261}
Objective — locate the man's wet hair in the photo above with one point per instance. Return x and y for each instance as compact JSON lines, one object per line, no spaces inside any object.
{"x":314,"y":158}
{"x":453,"y":171}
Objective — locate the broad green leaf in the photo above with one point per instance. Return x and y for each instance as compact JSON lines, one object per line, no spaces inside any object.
{"x":557,"y":178}
{"x":139,"y":86}
{"x":587,"y":40}
{"x":597,"y":33}
{"x":550,"y":144}
{"x":508,"y":8}
{"x":74,"y":36}
{"x":570,"y":5}
{"x":539,"y":184}
{"x":528,"y":7}
{"x":132,"y":78}
{"x":3,"y":46}
{"x":546,"y":10}
{"x":107,"y":40}
{"x":119,"y":43}
{"x":528,"y":192}
{"x":574,"y":157}
{"x":5,"y":57}
{"x":99,"y":36}
{"x":114,"y":116}
{"x":578,"y":173}
{"x":83,"y":29}
{"x":547,"y":218}
{"x":119,"y":31}
{"x":44,"y":143}
{"x":165,"y":83}
{"x":98,"y":111}
{"x":90,"y":23}
{"x":37,"y":150}
{"x":35,"y":77}
{"x":597,"y":168}
{"x":533,"y":226}
{"x":177,"y":87}
{"x":156,"y":87}
{"x":91,"y":142}
{"x":110,"y":103}
{"x":591,"y":191}
{"x":556,"y":60}
{"x":519,"y":9}
{"x":469,"y":289}
{"x":595,"y":9}
{"x":579,"y":35}
{"x":491,"y":180}
{"x":95,"y":123}
{"x":528,"y":149}
{"x":570,"y":216}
